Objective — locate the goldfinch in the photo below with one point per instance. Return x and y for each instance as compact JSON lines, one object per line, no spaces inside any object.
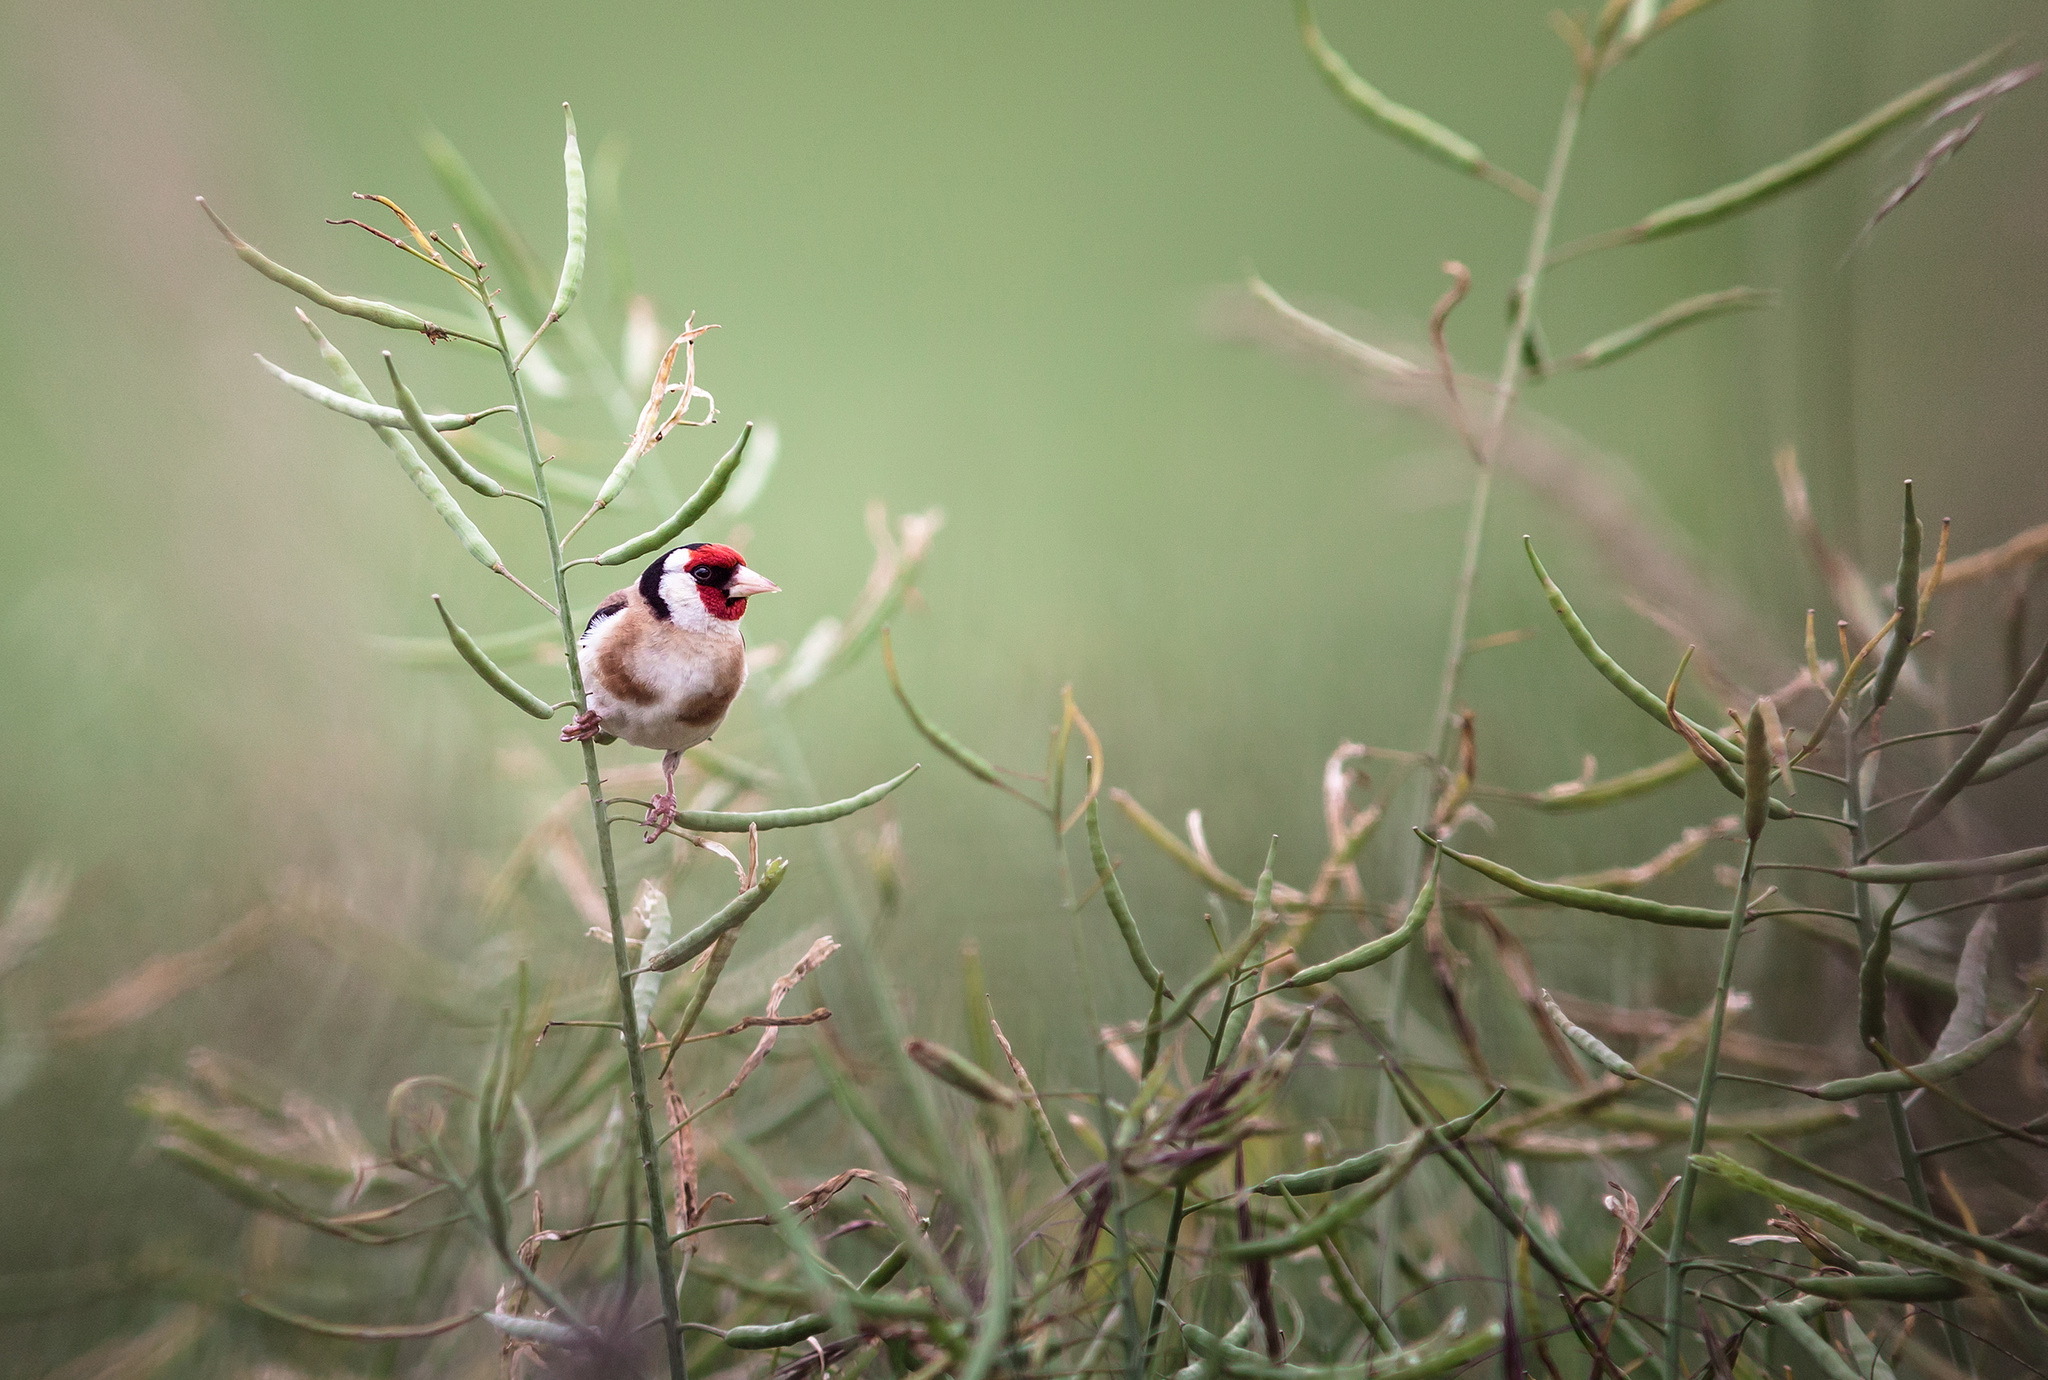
{"x":663,"y":660}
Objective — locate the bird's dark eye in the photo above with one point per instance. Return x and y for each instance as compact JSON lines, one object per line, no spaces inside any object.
{"x":705,"y":574}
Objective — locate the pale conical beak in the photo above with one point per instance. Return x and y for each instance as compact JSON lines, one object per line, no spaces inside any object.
{"x":746,"y":583}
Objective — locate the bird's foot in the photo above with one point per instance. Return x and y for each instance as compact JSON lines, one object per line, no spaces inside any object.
{"x":583,"y":727}
{"x":661,"y":812}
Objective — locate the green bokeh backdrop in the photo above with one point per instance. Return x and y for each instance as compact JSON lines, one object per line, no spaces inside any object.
{"x":961,"y":255}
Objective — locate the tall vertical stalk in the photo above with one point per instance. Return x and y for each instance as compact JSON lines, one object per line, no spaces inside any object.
{"x":1855,"y":804}
{"x":629,"y":1019}
{"x":1484,"y":450}
{"x":1710,"y":1069}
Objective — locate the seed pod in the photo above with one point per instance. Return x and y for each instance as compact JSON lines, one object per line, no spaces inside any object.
{"x":2024,"y":753}
{"x":730,"y":916}
{"x":493,"y":674}
{"x":1119,"y":908}
{"x":356,"y":1332}
{"x":693,"y":508}
{"x":957,"y":1070}
{"x":1900,"y":1245}
{"x":1918,"y":1287}
{"x":1358,"y":1168}
{"x":1586,"y":1040}
{"x":1340,"y":1213}
{"x":1756,"y":773}
{"x":416,"y":469}
{"x":769,"y":1336}
{"x":1978,"y":754}
{"x":379,"y":313}
{"x":1933,"y":1070}
{"x":968,"y":759}
{"x":1677,"y":316}
{"x":513,"y":265}
{"x":1220,"y":967}
{"x":1638,"y":694}
{"x":1908,"y":604}
{"x":579,"y":221}
{"x":1377,"y":950}
{"x":1767,"y":183}
{"x":1570,"y":796}
{"x":1234,"y":1027}
{"x":1945,"y":870}
{"x":374,"y":413}
{"x":1410,"y":127}
{"x":450,"y":458}
{"x":732,"y":822}
{"x":1870,"y":975}
{"x":1585,"y":898}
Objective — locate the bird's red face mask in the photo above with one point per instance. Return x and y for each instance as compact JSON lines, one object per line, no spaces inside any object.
{"x":722,"y":579}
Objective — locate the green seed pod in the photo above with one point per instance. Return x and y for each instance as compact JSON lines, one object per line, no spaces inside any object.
{"x":1946,"y":870}
{"x":356,"y":1332}
{"x":513,"y":265}
{"x":1571,"y":796}
{"x":1934,"y":1070}
{"x":733,"y":822}
{"x":2024,"y":753}
{"x":886,"y":1269}
{"x":1909,"y":1288}
{"x":1979,"y":752}
{"x":1908,"y":604}
{"x":769,"y":1336}
{"x":1595,"y":1048}
{"x":1756,"y":773}
{"x":958,"y":1071}
{"x":730,"y":916}
{"x":450,"y":458}
{"x":1675,"y":317}
{"x":1234,"y":1028}
{"x":1870,"y":988}
{"x":698,"y":504}
{"x":416,"y":469}
{"x":1119,"y":908}
{"x":379,"y":313}
{"x":1638,"y":694}
{"x":493,"y":674}
{"x":1340,"y":1213}
{"x":1767,"y":183}
{"x":1410,"y":127}
{"x":1358,"y":1168}
{"x":1900,"y":1245}
{"x":373,"y":413}
{"x":1377,"y":950}
{"x":966,"y":757}
{"x":1220,"y":967}
{"x":579,"y":221}
{"x":1600,"y":902}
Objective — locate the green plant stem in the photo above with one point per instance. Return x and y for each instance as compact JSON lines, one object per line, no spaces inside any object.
{"x":1178,"y":1214}
{"x":853,"y":910}
{"x":1855,"y":808}
{"x":1681,"y":1208}
{"x":1484,"y":451}
{"x":629,"y":1020}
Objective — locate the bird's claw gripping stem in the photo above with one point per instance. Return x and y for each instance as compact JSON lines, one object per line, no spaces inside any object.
{"x":583,"y":727}
{"x":661,"y":812}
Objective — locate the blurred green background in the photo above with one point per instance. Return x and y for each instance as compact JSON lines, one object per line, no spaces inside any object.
{"x":966,"y":258}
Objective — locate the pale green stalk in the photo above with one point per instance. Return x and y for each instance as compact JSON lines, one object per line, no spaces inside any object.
{"x":1484,"y":452}
{"x":1855,"y":804}
{"x":1710,"y":1067}
{"x":629,"y":1019}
